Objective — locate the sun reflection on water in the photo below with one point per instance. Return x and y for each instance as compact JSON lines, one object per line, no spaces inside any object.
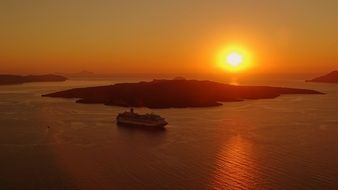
{"x":235,"y":168}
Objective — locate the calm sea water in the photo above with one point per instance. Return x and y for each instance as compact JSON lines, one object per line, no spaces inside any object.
{"x":290,"y":142}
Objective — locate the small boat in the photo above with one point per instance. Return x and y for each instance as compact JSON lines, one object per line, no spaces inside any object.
{"x":140,"y":120}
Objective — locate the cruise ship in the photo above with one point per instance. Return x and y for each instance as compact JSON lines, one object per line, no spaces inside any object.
{"x":140,"y":120}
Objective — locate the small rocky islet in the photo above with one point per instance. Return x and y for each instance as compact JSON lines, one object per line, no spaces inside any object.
{"x":331,"y":77}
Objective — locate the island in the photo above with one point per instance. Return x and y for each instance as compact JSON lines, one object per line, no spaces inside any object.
{"x":16,"y":79}
{"x":328,"y":78}
{"x":81,"y":74}
{"x":173,"y":94}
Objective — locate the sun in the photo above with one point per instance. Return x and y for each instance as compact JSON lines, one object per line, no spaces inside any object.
{"x":234,"y":59}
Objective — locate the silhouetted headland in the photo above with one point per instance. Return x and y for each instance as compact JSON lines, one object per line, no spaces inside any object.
{"x":173,"y":93}
{"x":329,"y":78}
{"x":16,"y":79}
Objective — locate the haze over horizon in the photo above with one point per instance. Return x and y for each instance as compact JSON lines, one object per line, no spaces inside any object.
{"x":185,"y":36}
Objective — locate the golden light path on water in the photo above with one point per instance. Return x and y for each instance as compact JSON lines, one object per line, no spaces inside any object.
{"x":235,"y":164}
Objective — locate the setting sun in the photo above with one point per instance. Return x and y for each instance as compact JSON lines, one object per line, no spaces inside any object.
{"x":234,"y":59}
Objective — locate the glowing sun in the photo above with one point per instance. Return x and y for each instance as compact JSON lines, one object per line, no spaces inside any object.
{"x":234,"y":59}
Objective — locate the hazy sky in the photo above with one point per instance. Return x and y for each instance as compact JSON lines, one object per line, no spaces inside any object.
{"x":166,"y":36}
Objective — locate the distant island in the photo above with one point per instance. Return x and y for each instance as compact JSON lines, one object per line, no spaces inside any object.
{"x":16,"y":79}
{"x":329,"y":78}
{"x":81,"y":74}
{"x":173,"y":94}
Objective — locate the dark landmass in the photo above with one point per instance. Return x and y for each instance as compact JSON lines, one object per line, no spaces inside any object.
{"x":16,"y":79}
{"x":80,"y":74}
{"x":329,"y":78}
{"x":173,"y":94}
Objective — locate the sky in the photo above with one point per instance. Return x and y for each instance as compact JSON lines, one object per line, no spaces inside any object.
{"x":166,"y":36}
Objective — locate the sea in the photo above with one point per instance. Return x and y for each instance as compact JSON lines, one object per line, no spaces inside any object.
{"x":290,"y":142}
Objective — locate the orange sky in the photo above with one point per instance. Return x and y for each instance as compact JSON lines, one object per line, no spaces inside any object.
{"x":176,"y":36}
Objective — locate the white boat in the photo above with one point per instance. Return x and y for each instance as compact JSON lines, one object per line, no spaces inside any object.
{"x":140,"y":120}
